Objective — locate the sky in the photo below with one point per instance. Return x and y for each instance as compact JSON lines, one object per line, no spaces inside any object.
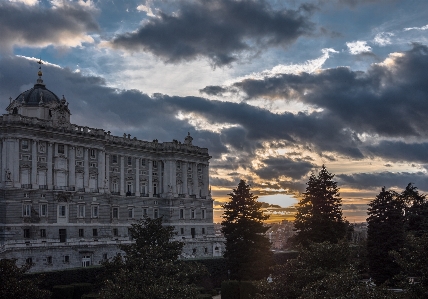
{"x":273,"y":88}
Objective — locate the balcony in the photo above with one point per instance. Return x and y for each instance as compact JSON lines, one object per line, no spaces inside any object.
{"x":144,"y":195}
{"x":94,"y":190}
{"x":64,"y":188}
{"x":130,"y":194}
{"x":27,"y":186}
{"x":43,"y":187}
{"x":192,"y":196}
{"x":80,"y":189}
{"x":115,"y":193}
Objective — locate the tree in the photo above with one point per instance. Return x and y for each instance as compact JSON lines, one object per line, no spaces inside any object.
{"x":319,"y":214}
{"x":247,"y":248}
{"x":150,"y":268}
{"x":416,"y":210}
{"x":14,"y":284}
{"x":385,"y":232}
{"x":322,"y":270}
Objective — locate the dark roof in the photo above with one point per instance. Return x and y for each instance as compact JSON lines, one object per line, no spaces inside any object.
{"x":32,"y":96}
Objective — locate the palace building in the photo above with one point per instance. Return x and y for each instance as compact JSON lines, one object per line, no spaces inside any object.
{"x":69,"y":193}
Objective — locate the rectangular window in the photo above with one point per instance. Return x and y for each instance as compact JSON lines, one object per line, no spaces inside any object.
{"x":114,"y":159}
{"x":181,"y":213}
{"x":43,"y":233}
{"x":129,"y":160}
{"x":81,"y":233}
{"x":79,"y":163}
{"x":27,"y":233}
{"x":144,"y":212}
{"x":43,"y":195}
{"x":42,"y":159}
{"x":60,"y":148}
{"x":93,"y":165}
{"x":206,"y":250}
{"x":24,"y":144}
{"x":155,"y":164}
{"x":66,"y":258}
{"x":26,"y":195}
{"x":43,"y":209}
{"x":155,"y":213}
{"x":193,"y":232}
{"x":95,"y":232}
{"x":182,"y":231}
{"x":115,"y":232}
{"x":203,"y":230}
{"x":155,"y":202}
{"x":95,"y":212}
{"x":203,"y":214}
{"x":62,"y":235}
{"x":130,"y":213}
{"x":105,"y":256}
{"x":26,"y":210}
{"x":49,"y":260}
{"x":192,"y":214}
{"x":80,"y":197}
{"x":92,"y":153}
{"x":62,"y":210}
{"x":115,"y":213}
{"x":81,"y":211}
{"x":143,"y":162}
{"x":29,"y":261}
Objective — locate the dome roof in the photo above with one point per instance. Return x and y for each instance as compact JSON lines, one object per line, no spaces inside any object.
{"x":39,"y":92}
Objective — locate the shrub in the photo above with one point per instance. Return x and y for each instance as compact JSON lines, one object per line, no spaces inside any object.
{"x":247,"y":289}
{"x":81,"y":288}
{"x":63,"y":292}
{"x":230,"y":289}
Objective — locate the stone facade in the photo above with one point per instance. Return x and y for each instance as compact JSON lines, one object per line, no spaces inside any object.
{"x":68,"y":193}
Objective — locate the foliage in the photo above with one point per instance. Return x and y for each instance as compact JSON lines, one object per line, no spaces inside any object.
{"x":63,"y":292}
{"x":322,"y":270}
{"x":385,"y":232}
{"x":416,"y":211}
{"x":230,"y":289}
{"x":247,"y":289}
{"x":82,"y":288}
{"x":15,"y":284}
{"x":247,"y":248}
{"x":413,"y":261}
{"x":150,"y":268}
{"x":319,"y":214}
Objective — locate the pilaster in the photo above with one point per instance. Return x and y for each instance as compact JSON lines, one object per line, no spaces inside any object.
{"x":101,"y":170}
{"x":137,"y":176}
{"x":122,"y":175}
{"x":86,"y":169}
{"x":49,"y":174}
{"x":184,"y":168}
{"x":195,"y":179}
{"x":72,"y":166}
{"x":34,"y":164}
{"x":150,"y":178}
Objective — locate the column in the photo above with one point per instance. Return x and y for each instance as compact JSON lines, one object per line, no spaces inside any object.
{"x":101,"y":170}
{"x":173,"y":179}
{"x":165,"y":176}
{"x":34,"y":164}
{"x":107,"y":173}
{"x":137,"y":176}
{"x":49,"y":174}
{"x":195,"y":179}
{"x":150,"y":178}
{"x":122,"y":175}
{"x":184,"y":167}
{"x":72,"y":166}
{"x":86,"y":169}
{"x":205,"y":179}
{"x":16,"y":181}
{"x":3,"y":160}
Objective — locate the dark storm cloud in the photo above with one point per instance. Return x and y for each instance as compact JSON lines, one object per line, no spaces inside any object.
{"x":29,"y":26}
{"x":221,"y":30}
{"x":387,"y":179}
{"x":283,"y":166}
{"x":400,"y":151}
{"x":388,"y":99}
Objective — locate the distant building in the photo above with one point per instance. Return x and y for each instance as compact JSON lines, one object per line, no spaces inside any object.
{"x":279,"y":233}
{"x":69,"y":192}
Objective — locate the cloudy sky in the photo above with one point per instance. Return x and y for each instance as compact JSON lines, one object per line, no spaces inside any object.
{"x":273,"y":88}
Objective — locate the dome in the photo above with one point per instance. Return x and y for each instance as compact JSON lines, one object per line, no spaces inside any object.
{"x":33,"y":96}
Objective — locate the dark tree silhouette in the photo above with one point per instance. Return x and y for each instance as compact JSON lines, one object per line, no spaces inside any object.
{"x":416,"y":211}
{"x":247,"y":248}
{"x":150,"y":268}
{"x":319,"y":214}
{"x":385,"y":232}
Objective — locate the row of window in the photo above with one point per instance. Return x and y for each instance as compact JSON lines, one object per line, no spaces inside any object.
{"x":60,"y":149}
{"x":81,"y":233}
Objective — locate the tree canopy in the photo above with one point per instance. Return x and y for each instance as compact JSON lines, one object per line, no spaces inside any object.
{"x":150,"y":268}
{"x":247,"y":248}
{"x":319,"y":215}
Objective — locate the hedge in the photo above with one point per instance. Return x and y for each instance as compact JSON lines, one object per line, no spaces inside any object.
{"x":63,"y":292}
{"x":247,"y":289}
{"x":230,"y":289}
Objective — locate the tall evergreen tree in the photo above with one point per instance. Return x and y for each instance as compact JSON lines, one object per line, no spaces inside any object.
{"x":247,"y":248}
{"x":385,"y":233}
{"x":319,"y":214}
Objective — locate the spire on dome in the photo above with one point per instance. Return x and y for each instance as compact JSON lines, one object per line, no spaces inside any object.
{"x":39,"y":73}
